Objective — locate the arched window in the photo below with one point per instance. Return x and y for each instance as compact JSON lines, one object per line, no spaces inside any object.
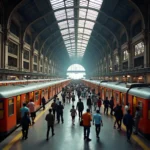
{"x":76,"y":71}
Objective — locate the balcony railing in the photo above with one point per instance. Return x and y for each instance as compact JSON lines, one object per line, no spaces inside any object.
{"x":129,"y":71}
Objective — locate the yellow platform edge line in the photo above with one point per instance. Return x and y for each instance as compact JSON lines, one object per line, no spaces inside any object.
{"x":18,"y":136}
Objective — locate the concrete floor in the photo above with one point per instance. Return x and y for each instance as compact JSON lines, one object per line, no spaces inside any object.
{"x":68,"y":137}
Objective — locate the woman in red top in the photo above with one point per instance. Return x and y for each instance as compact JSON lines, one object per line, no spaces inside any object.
{"x":99,"y":103}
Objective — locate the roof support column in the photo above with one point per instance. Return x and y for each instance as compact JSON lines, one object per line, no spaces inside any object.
{"x":21,"y":48}
{"x":1,"y":46}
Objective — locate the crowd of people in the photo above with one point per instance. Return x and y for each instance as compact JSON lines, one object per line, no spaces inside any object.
{"x":93,"y":112}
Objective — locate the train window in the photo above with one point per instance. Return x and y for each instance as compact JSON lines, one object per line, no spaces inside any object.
{"x":110,"y":93}
{"x":122,"y":98}
{"x":43,"y":92}
{"x":140,"y":105}
{"x":36,"y":96}
{"x":117,"y":98}
{"x":1,"y":109}
{"x":107,"y":93}
{"x":10,"y":106}
{"x":46,"y":91}
{"x":149,"y":110}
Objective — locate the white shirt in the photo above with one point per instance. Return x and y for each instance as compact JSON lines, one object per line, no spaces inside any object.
{"x":31,"y":107}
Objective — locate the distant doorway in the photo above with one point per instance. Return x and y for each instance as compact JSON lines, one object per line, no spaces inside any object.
{"x":76,"y":71}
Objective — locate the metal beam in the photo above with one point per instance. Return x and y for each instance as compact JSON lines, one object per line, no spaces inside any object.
{"x":87,"y":45}
{"x":106,"y":40}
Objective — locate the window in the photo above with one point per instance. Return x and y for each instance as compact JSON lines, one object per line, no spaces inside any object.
{"x":41,"y":61}
{"x":140,"y":105}
{"x":125,"y":55}
{"x":149,"y":110}
{"x":67,"y":26}
{"x":37,"y":96}
{"x":125,"y":65}
{"x":26,"y":55}
{"x":14,"y":29}
{"x":12,"y":61}
{"x":1,"y":109}
{"x":41,"y":69}
{"x":25,"y":65}
{"x":35,"y":67}
{"x":13,"y":48}
{"x":139,"y":48}
{"x":10,"y":106}
{"x":28,"y":39}
{"x":116,"y":59}
{"x":117,"y":98}
{"x":139,"y":62}
{"x":35,"y":58}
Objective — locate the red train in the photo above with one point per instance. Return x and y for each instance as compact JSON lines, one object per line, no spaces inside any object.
{"x":16,"y":82}
{"x":12,"y":98}
{"x":133,"y":94}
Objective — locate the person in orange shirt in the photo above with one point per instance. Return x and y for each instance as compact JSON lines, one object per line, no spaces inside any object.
{"x":87,"y":118}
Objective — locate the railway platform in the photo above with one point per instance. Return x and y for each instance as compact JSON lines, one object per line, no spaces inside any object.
{"x":71,"y":137}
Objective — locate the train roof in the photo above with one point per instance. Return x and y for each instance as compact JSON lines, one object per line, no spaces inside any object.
{"x":9,"y":91}
{"x":115,"y":85}
{"x":25,"y":80}
{"x":142,"y":92}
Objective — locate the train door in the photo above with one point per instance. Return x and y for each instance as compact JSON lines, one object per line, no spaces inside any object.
{"x":18,"y":106}
{"x":27,"y":97}
{"x":103,"y":94}
{"x":107,"y":93}
{"x":134,"y":104}
{"x":121,"y":99}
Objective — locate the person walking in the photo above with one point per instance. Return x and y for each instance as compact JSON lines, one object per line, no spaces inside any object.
{"x":32,"y":109}
{"x":94,"y":100}
{"x":54,"y":108}
{"x":60,"y":108}
{"x":106,"y":104}
{"x":128,"y":122}
{"x":73,"y":114}
{"x":115,"y":114}
{"x":79,"y":93}
{"x":119,"y":116}
{"x":50,"y":123}
{"x":87,"y":118}
{"x":97,"y":119}
{"x":73,"y":98}
{"x":80,"y":108}
{"x":43,"y":102}
{"x":89,"y":103}
{"x":137,"y":119}
{"x":63,"y":97}
{"x":25,"y":122}
{"x":23,"y":110}
{"x":99,"y":103}
{"x":111,"y":103}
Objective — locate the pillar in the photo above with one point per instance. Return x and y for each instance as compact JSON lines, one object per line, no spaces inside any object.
{"x":6,"y":55}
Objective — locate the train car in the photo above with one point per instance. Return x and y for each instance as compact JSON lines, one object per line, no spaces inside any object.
{"x":134,"y":94}
{"x":140,"y":96}
{"x":16,"y":82}
{"x":13,"y":97}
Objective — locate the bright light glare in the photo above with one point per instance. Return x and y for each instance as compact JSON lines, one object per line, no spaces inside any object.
{"x":75,"y":72}
{"x":76,"y":75}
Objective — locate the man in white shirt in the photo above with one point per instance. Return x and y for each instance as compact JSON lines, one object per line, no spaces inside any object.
{"x":32,"y":109}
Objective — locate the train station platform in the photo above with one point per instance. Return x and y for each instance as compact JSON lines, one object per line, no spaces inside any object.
{"x":71,"y":137}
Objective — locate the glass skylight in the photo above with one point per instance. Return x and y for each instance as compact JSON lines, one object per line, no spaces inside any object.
{"x":76,"y":37}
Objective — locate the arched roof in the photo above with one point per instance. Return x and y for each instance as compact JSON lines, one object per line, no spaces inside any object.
{"x":83,"y":27}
